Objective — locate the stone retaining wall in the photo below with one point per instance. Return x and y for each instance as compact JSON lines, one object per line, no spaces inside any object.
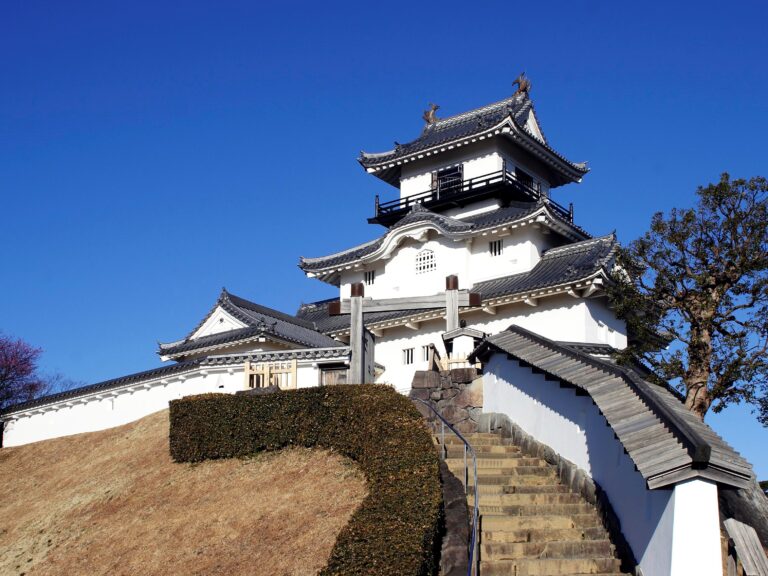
{"x":456,"y":394}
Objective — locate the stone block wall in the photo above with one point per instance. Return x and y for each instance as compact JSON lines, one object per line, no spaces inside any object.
{"x":456,"y":394}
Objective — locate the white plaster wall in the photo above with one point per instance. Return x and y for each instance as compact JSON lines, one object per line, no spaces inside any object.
{"x":603,"y":326}
{"x":665,"y":532}
{"x":522,"y":251}
{"x":478,"y":159}
{"x":559,"y":318}
{"x":389,"y":352}
{"x":469,"y":259}
{"x":397,"y":277}
{"x":696,"y":530}
{"x":219,"y":321}
{"x":116,"y":407}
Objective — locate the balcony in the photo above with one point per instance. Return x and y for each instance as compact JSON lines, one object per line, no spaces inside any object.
{"x":456,"y":193}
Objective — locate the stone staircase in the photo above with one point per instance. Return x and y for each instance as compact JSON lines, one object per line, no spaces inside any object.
{"x":530,"y":523}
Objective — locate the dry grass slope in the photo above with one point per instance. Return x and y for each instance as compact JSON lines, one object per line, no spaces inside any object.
{"x":114,"y":503}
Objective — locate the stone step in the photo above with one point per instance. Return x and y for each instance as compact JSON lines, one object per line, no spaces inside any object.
{"x":510,"y":471}
{"x":522,"y":499}
{"x":475,"y":441}
{"x":536,"y":509}
{"x":523,"y":535}
{"x":510,"y":480}
{"x":501,"y":489}
{"x":498,"y":461}
{"x":548,"y":549}
{"x":550,"y":567}
{"x":457,"y":450}
{"x":500,"y":522}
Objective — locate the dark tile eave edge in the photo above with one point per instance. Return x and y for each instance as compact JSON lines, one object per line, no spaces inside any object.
{"x":102,"y":386}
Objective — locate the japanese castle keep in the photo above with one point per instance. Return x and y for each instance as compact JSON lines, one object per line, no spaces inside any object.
{"x":474,"y":265}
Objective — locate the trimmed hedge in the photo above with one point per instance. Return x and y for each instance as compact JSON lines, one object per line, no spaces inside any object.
{"x":395,"y":531}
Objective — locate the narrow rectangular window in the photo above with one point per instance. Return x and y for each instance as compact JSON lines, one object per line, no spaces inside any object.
{"x":496,"y":247}
{"x":425,"y":353}
{"x":449,"y":180}
{"x":525,"y":179}
{"x":370,"y":276}
{"x":408,"y":356}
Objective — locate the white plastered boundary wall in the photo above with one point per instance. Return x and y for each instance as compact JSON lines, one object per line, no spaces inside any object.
{"x":558,"y":317}
{"x":672,"y":532}
{"x":109,"y":408}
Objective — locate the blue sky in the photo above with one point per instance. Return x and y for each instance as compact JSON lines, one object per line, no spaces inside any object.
{"x":151,"y":154}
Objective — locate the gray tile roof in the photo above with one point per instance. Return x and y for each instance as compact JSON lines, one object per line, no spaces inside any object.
{"x":667,"y":443}
{"x":259,"y":320}
{"x":563,"y":265}
{"x":466,"y":125}
{"x":105,"y":386}
{"x":515,"y":211}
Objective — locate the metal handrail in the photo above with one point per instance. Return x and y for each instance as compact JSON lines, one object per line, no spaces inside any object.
{"x":473,"y":567}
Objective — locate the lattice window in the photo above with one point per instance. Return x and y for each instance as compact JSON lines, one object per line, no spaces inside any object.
{"x":425,"y":353}
{"x":425,"y":262}
{"x":370,"y":276}
{"x":496,"y":248}
{"x":408,"y":356}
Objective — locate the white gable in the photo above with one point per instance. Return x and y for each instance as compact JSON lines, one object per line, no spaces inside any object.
{"x":219,"y":321}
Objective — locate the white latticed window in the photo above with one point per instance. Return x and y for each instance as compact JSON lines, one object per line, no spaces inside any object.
{"x":370,"y":276}
{"x":425,"y":262}
{"x":408,"y":356}
{"x":496,"y":247}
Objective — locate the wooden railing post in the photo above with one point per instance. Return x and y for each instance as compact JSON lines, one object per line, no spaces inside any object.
{"x":451,"y":303}
{"x":356,"y":335}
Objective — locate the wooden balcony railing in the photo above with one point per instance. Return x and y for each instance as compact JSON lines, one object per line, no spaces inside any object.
{"x":458,"y":193}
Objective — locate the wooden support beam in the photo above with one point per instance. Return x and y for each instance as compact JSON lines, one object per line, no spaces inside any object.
{"x":451,"y":303}
{"x":532,"y":301}
{"x":573,"y":294}
{"x":407,"y":303}
{"x":490,"y":310}
{"x":413,"y":325}
{"x":356,"y":335}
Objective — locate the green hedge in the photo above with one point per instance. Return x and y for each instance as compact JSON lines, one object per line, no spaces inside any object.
{"x":395,"y":531}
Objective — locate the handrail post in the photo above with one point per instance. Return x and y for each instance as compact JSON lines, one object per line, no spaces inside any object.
{"x":473,"y":563}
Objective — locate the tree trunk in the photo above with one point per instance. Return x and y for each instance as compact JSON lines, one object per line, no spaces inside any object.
{"x":696,"y":379}
{"x":697,"y":398}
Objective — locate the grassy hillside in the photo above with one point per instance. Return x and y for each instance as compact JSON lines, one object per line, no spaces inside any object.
{"x":114,"y":503}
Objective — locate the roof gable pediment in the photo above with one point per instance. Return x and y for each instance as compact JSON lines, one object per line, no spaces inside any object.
{"x":218,"y":321}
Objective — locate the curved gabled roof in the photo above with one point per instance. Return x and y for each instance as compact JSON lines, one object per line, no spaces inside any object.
{"x":452,"y":227}
{"x":259,"y":321}
{"x":512,"y":112}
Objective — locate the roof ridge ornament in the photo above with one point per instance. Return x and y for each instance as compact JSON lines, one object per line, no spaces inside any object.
{"x":429,"y":116}
{"x":523,"y":85}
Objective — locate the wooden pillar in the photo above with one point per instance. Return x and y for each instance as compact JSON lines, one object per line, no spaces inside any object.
{"x":451,"y":303}
{"x":356,"y":336}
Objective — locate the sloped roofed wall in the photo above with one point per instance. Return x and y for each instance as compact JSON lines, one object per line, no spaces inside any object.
{"x":573,"y":427}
